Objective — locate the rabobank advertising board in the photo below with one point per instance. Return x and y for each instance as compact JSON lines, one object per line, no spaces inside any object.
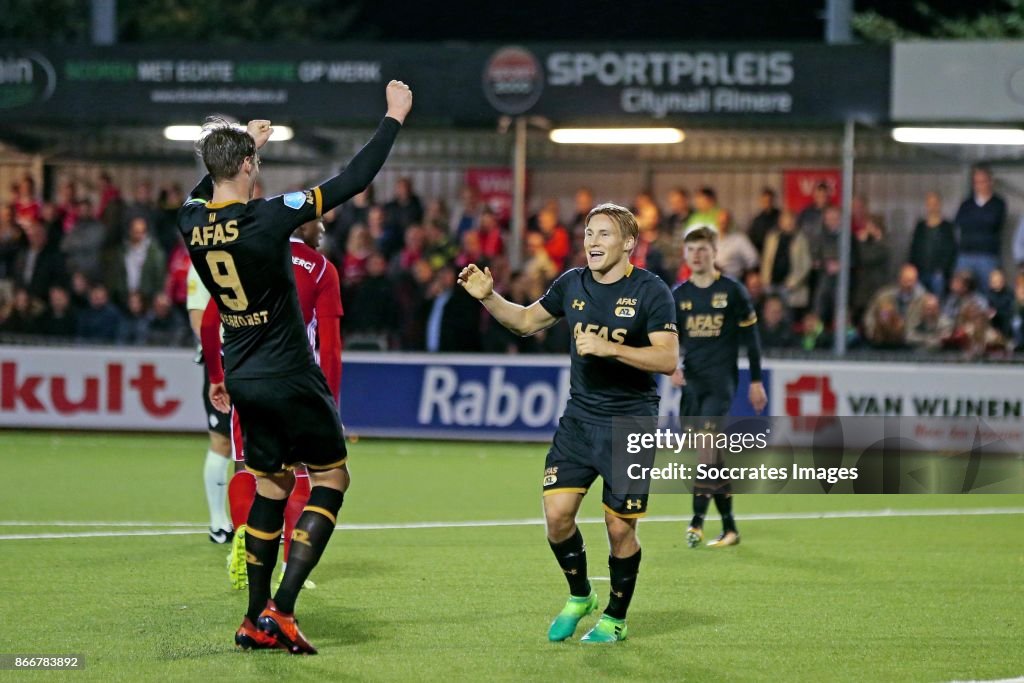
{"x":469,"y":397}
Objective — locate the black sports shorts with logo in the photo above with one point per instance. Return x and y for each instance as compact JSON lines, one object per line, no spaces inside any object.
{"x":582,"y":451}
{"x":288,"y":420}
{"x":216,"y":421}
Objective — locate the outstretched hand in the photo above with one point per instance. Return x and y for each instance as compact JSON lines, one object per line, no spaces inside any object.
{"x":260,"y":130}
{"x":399,"y":98}
{"x":479,"y":283}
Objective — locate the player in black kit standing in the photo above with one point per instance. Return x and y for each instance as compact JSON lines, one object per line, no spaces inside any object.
{"x":240,"y":250}
{"x":715,"y":318}
{"x":624,"y":329}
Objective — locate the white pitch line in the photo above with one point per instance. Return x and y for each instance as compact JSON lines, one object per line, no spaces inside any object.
{"x":1019,"y":679}
{"x":776,"y":516}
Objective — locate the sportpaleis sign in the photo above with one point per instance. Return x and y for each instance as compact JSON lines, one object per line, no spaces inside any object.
{"x":468,"y":85}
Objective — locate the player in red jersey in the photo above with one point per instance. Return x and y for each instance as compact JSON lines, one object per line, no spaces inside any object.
{"x":317,"y":285}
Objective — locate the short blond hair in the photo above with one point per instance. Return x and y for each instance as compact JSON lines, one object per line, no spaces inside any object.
{"x":621,"y":216}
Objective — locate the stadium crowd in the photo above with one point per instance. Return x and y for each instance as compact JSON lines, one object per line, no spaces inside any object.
{"x":105,"y":267}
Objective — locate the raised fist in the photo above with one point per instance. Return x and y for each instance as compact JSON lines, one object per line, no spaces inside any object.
{"x":399,"y":98}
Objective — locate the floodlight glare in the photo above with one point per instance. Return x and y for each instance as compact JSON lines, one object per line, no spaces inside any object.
{"x":617,"y":136}
{"x":960,"y":136}
{"x":191,"y":133}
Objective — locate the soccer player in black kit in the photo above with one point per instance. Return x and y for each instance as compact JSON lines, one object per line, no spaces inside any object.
{"x":624,"y":329}
{"x":715,"y":318}
{"x":240,"y":249}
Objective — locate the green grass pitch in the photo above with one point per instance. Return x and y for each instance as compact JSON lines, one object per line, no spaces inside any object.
{"x":858,"y":598}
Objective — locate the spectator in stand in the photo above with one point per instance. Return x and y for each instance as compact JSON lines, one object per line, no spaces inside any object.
{"x":980,"y":218}
{"x":176,"y":284}
{"x":653,"y":250}
{"x":437,"y":212}
{"x":871,"y":256}
{"x":353,"y":263}
{"x":931,"y":328}
{"x":40,"y":265}
{"x":68,"y":205}
{"x":466,"y":213}
{"x":80,"y":285}
{"x":471,"y":251}
{"x":907,"y":295}
{"x":24,"y":315}
{"x":165,"y":228}
{"x":583,"y":202}
{"x":454,"y":321}
{"x":678,"y":214}
{"x":412,"y":251}
{"x":83,"y":246}
{"x":775,"y":327}
{"x":166,"y":325}
{"x":811,"y":220}
{"x":496,"y":337}
{"x":144,"y":206}
{"x":101,"y":321}
{"x":386,"y":237}
{"x":765,"y":221}
{"x":933,"y":246}
{"x":813,"y":334}
{"x":413,"y":306}
{"x":859,"y":215}
{"x":538,"y":262}
{"x":491,"y":243}
{"x":440,"y":249}
{"x":134,"y":326}
{"x":351,"y":213}
{"x":110,"y":210}
{"x":963,"y":289}
{"x":60,"y":319}
{"x":556,"y":237}
{"x":786,"y":265}
{"x":138,"y":266}
{"x":1018,"y":313}
{"x":1000,"y":302}
{"x":707,"y":210}
{"x":886,"y":328}
{"x":754,"y":283}
{"x":736,"y":253}
{"x":374,"y":309}
{"x":405,"y":209}
{"x":974,"y":333}
{"x":825,"y":262}
{"x":27,"y":207}
{"x":12,"y":241}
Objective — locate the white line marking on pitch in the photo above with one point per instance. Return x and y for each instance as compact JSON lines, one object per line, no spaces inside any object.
{"x":770,"y":516}
{"x":1019,"y":679}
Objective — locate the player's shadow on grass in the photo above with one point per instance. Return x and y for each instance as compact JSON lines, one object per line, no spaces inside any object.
{"x":338,"y":627}
{"x":669,"y":621}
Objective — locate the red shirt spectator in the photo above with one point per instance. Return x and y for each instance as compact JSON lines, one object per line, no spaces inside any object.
{"x":176,"y":286}
{"x":556,"y":237}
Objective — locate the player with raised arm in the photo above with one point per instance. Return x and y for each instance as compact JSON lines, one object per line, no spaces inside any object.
{"x":715,"y":318}
{"x":624,"y":329}
{"x":239,"y":247}
{"x":316,"y":281}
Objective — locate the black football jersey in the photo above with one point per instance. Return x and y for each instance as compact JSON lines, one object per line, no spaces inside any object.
{"x":709,"y":320}
{"x":624,"y":312}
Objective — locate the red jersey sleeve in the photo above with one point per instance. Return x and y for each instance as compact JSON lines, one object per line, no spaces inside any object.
{"x":328,"y":316}
{"x":209,"y":337}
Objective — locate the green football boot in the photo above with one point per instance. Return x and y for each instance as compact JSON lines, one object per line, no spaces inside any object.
{"x":575,"y":609}
{"x":238,"y":573}
{"x":606,"y":630}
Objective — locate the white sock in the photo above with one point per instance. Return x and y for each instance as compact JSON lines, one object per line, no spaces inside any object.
{"x":215,"y":476}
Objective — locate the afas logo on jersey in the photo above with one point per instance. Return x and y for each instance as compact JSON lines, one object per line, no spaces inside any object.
{"x":624,"y":308}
